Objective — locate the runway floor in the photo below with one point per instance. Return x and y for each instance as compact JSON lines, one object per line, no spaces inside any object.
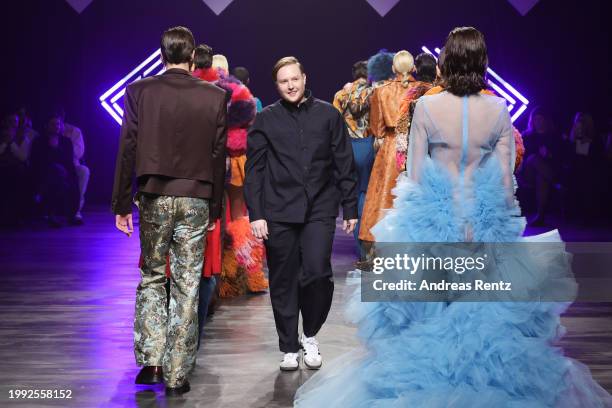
{"x":66,"y":310}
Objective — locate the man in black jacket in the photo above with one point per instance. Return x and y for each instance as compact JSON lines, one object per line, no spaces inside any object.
{"x":299,"y":169}
{"x":173,"y":135}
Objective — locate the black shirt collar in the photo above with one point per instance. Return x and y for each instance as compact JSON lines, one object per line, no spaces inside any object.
{"x":307,"y":102}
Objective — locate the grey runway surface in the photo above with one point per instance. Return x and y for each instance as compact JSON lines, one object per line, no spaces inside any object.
{"x":66,"y":311}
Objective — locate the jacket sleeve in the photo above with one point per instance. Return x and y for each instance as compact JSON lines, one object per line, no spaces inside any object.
{"x":344,"y":168}
{"x":257,"y":149}
{"x":126,"y":157}
{"x":219,"y":162}
{"x":377,"y":119}
{"x":78,"y":144}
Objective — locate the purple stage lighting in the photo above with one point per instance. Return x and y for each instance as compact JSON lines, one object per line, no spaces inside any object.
{"x":502,"y":88}
{"x":111,"y":98}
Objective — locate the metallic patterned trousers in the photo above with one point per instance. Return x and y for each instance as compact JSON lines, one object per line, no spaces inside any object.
{"x":168,"y":335}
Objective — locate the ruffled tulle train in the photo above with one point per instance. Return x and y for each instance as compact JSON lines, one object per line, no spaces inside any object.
{"x":459,"y":354}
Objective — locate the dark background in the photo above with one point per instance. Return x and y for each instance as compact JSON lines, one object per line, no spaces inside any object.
{"x":557,"y":55}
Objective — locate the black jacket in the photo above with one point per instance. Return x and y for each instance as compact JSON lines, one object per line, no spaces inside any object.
{"x":299,"y":164}
{"x":174,"y":126}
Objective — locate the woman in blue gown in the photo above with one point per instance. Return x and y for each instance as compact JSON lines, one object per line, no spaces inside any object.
{"x":458,"y":187}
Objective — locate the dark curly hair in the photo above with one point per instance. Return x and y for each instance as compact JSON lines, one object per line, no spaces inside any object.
{"x":360,"y":70}
{"x":202,"y":58}
{"x":380,"y":66}
{"x":425,"y":65}
{"x":464,"y":61}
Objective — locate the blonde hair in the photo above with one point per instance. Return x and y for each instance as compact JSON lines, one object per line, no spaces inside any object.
{"x":403,"y":63}
{"x":220,"y":62}
{"x":283,"y":62}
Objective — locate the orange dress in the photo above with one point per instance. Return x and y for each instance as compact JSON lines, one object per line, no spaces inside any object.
{"x":384,"y":114}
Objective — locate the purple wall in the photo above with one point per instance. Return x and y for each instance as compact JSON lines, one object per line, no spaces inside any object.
{"x":557,"y":55}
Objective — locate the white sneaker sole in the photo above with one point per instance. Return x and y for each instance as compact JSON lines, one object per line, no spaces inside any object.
{"x":290,"y":368}
{"x":297,"y":366}
{"x":311,"y":367}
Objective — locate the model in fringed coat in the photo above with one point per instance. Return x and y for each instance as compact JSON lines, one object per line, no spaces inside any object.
{"x":242,"y":269}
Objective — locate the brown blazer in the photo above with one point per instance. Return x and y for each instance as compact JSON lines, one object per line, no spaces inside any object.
{"x":174,"y":125}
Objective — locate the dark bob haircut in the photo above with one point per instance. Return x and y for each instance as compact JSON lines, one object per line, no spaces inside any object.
{"x":202,"y":58}
{"x":464,"y":61}
{"x":177,"y":45}
{"x":425,"y":64}
{"x":242,"y":73}
{"x":360,"y":70}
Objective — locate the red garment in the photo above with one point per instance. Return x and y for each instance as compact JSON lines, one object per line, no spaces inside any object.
{"x":207,"y":74}
{"x":212,"y":253}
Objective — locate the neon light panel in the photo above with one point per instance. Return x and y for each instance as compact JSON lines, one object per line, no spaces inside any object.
{"x":112,"y":98}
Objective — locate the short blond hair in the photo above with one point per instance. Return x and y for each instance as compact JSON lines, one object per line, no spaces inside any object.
{"x":403,"y":63}
{"x":220,"y":62}
{"x":283,"y":62}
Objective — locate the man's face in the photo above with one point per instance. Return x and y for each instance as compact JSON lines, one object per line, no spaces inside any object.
{"x":291,"y":83}
{"x":55,"y":126}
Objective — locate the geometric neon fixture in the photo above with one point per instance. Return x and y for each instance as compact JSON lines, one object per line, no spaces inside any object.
{"x":516,"y":101}
{"x":112,"y":99}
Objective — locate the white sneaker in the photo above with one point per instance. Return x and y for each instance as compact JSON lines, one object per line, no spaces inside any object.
{"x":290,"y":362}
{"x":312,"y":357}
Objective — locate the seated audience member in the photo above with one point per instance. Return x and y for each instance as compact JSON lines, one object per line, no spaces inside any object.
{"x":25,"y":131}
{"x":542,"y":170}
{"x":54,"y":173}
{"x":607,"y":140}
{"x":586,"y":160}
{"x":78,"y":145}
{"x":13,"y":159}
{"x":607,"y":169}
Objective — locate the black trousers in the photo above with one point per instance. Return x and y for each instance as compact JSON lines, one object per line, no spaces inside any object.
{"x":60,"y":191}
{"x":300,"y":275}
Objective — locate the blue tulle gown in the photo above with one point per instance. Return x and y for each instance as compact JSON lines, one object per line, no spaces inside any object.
{"x":458,"y":187}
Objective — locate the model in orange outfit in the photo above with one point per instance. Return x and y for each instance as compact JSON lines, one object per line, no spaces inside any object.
{"x":384,"y":114}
